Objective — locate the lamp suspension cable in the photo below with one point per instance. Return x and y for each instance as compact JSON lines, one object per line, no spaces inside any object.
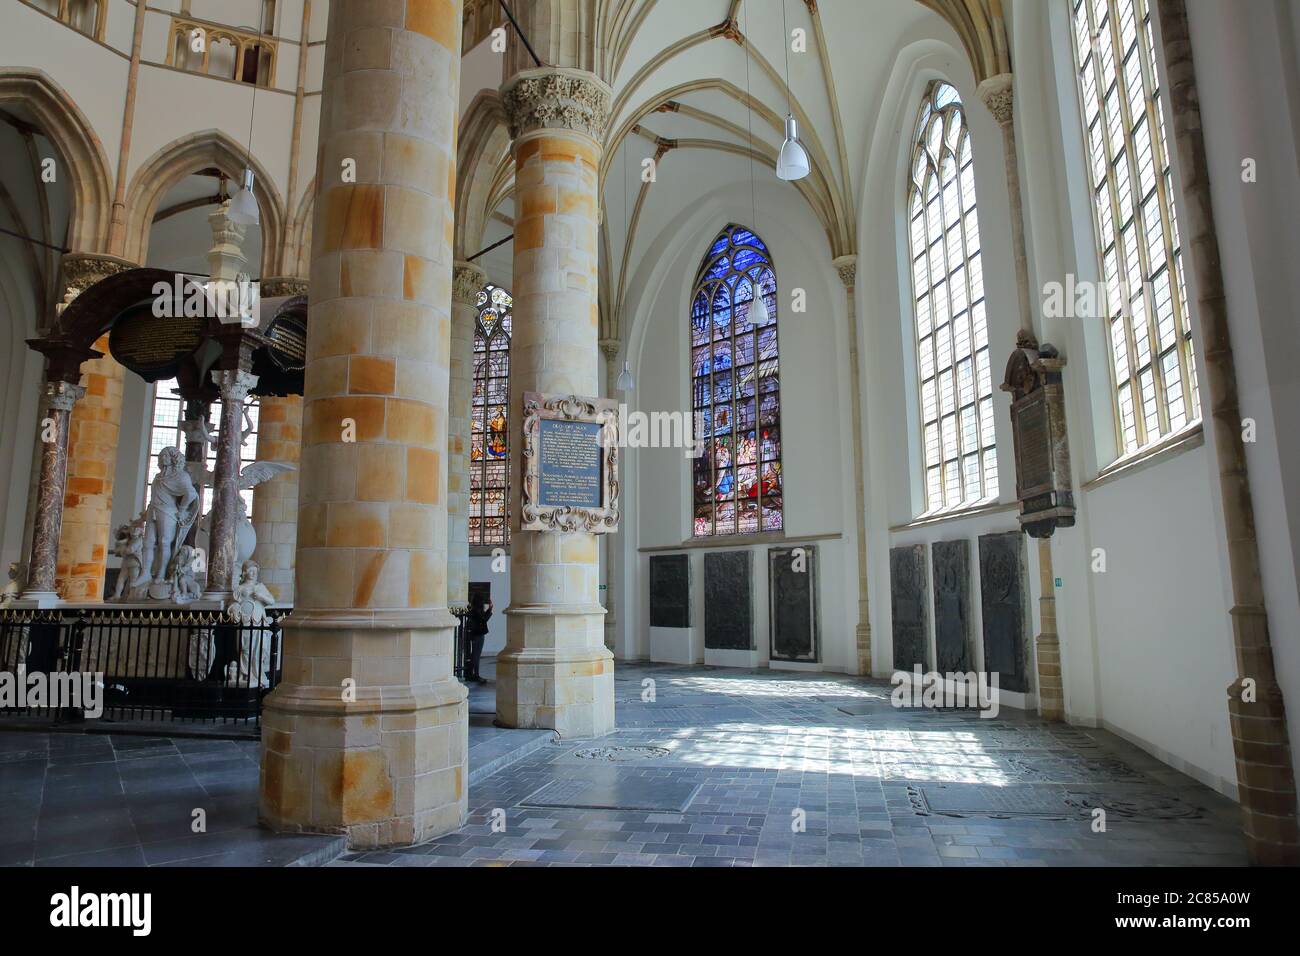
{"x":522,"y":36}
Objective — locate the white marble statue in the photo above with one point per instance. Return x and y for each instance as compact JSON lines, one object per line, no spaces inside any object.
{"x":245,"y":535}
{"x":248,"y":607}
{"x":17,"y":581}
{"x":129,"y":545}
{"x":183,"y":575}
{"x":173,"y":508}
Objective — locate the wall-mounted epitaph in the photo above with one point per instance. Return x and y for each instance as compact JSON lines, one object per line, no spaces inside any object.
{"x":728,"y":604}
{"x":570,"y":464}
{"x":1033,"y":377}
{"x":287,"y":342}
{"x":154,"y":347}
{"x":950,"y":561}
{"x":908,"y":590}
{"x":792,"y":599}
{"x":670,"y":590}
{"x":1005,"y":606}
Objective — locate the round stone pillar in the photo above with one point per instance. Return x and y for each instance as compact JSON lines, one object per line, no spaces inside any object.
{"x":555,"y":670}
{"x":88,"y":496}
{"x":467,"y":281}
{"x":275,"y":502}
{"x":366,"y":734}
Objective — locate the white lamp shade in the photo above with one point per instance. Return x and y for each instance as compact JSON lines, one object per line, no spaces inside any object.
{"x":792,"y":164}
{"x":758,"y":314}
{"x":625,"y":382}
{"x":243,"y":204}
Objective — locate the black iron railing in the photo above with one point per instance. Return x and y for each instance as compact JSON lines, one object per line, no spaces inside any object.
{"x":460,"y":646}
{"x":149,"y":666}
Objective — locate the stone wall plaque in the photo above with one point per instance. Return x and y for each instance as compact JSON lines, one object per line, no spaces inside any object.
{"x":1033,"y":377}
{"x":728,"y":604}
{"x":952,"y":610}
{"x":570,"y":464}
{"x":792,"y":601}
{"x":908,"y":600}
{"x":154,"y":347}
{"x":670,"y":590}
{"x":1005,"y":605}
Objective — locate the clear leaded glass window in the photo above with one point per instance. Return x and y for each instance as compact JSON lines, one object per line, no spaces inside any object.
{"x":165,"y":431}
{"x":490,"y":438}
{"x":1145,"y":307}
{"x":736,"y":389}
{"x":952,"y":355}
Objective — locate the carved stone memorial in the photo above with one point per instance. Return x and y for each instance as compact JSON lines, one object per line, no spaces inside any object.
{"x":792,"y":599}
{"x":1004,"y":599}
{"x":670,"y":590}
{"x":728,"y":605}
{"x":1033,"y":377}
{"x":570,"y":464}
{"x":908,"y":591}
{"x":952,"y":618}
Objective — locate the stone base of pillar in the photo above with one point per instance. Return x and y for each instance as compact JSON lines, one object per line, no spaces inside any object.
{"x":862,"y":638}
{"x":556,"y":673}
{"x":36,"y":601}
{"x":1051,"y":693}
{"x":383,"y":760}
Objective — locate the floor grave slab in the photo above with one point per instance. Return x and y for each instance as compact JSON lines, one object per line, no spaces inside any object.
{"x":615,"y":791}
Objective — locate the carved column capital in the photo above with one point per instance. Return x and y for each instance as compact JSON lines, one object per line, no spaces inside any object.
{"x":996,"y":92}
{"x":467,"y":281}
{"x":556,"y":98}
{"x":279,"y":286}
{"x":847,"y":267}
{"x":81,"y":270}
{"x":61,"y":396}
{"x":235,"y":384}
{"x":610,"y":348}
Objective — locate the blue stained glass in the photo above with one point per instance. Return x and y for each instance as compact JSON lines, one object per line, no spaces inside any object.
{"x":735,"y":389}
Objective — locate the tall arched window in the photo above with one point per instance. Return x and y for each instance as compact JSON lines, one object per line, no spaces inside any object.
{"x":490,"y":441}
{"x":1136,"y":228}
{"x":952,"y":355}
{"x":736,"y":389}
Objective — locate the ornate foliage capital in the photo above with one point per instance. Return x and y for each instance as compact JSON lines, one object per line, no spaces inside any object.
{"x":235,"y":384}
{"x":81,"y":270}
{"x":61,"y":396}
{"x":996,"y":92}
{"x":278,"y":286}
{"x":847,"y":267}
{"x":556,"y":98}
{"x":610,"y":348}
{"x":467,"y":280}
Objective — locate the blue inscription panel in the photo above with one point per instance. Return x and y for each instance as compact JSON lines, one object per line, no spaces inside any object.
{"x":568,"y":464}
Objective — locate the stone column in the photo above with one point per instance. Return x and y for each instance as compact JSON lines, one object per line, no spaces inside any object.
{"x":467,"y":281}
{"x":613,"y":559}
{"x":847,"y":267}
{"x":275,"y":502}
{"x":996,"y":92}
{"x":60,"y":396}
{"x":555,"y":670}
{"x":234,"y":385}
{"x":88,"y":498}
{"x":1260,"y":743}
{"x":367,"y":733}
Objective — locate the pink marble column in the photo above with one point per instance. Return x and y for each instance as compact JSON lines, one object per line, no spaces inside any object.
{"x":235,"y":386}
{"x":59,"y":398}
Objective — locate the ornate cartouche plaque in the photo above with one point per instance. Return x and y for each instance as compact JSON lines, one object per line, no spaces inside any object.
{"x":570,"y":464}
{"x":1033,"y":378}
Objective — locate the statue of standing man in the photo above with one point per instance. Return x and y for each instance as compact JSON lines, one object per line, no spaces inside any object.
{"x":173,"y":508}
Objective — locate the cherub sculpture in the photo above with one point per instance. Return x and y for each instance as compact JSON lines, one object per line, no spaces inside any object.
{"x":129,"y":545}
{"x":184,"y":575}
{"x":17,"y":581}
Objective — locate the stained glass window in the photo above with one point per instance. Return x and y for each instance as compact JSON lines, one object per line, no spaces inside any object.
{"x":165,"y":431}
{"x":736,"y":389}
{"x":490,"y":439}
{"x":952,"y":353}
{"x":1141,"y":260}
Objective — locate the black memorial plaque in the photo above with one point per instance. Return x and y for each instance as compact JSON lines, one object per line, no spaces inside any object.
{"x":1003,"y":598}
{"x":670,"y":590}
{"x":728,"y":606}
{"x":155,"y":347}
{"x":951,"y":564}
{"x":568,"y":464}
{"x":908,"y":588}
{"x":792,"y":597}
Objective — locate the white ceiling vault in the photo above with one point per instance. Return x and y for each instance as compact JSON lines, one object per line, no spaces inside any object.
{"x":700,"y":87}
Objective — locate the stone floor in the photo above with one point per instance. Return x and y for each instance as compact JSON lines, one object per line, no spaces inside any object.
{"x":718,"y":767}
{"x":722,"y":764}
